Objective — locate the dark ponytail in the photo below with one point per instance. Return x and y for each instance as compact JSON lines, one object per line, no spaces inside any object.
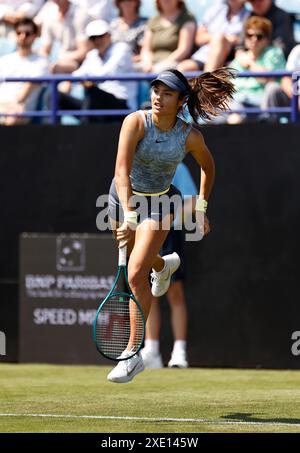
{"x":210,"y":93}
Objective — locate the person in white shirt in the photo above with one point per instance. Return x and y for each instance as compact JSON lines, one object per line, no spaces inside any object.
{"x":218,"y":33}
{"x":59,"y":30}
{"x":106,"y":59}
{"x":95,"y":9}
{"x":16,"y":97}
{"x":85,"y":12}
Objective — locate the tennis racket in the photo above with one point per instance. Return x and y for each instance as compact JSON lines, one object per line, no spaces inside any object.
{"x":119,"y":324}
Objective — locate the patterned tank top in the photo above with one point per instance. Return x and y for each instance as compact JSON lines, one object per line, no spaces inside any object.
{"x":157,"y":155}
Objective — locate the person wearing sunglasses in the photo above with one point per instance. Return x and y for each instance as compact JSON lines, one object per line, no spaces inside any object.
{"x":283,"y":30}
{"x":258,"y":55}
{"x":18,"y":97}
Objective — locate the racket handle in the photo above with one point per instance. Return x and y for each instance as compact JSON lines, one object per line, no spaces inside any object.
{"x":123,"y":256}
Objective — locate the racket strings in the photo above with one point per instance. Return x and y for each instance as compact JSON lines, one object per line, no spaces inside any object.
{"x":120,"y":326}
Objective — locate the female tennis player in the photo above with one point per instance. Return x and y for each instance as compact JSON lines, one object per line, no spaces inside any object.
{"x":151,"y":145}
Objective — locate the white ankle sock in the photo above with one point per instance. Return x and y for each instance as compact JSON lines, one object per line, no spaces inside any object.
{"x":152,"y":345}
{"x":179,"y":345}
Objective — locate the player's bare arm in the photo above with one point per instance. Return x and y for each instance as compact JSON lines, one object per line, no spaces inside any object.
{"x":132,"y":132}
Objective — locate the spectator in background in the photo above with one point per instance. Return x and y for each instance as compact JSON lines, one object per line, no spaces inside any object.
{"x":17,"y":97}
{"x":106,"y":59}
{"x":11,"y":11}
{"x":129,"y":27}
{"x":97,"y":9}
{"x":217,"y":35}
{"x":58,"y":27}
{"x":283,"y":32}
{"x":280,"y":95}
{"x":89,"y":10}
{"x":183,"y":181}
{"x":169,"y":36}
{"x":259,"y":55}
{"x":85,"y":12}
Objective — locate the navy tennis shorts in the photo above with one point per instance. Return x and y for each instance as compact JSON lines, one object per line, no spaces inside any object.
{"x":148,"y":207}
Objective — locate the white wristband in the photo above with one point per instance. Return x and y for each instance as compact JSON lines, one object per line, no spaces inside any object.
{"x":201,"y":205}
{"x":130,"y":216}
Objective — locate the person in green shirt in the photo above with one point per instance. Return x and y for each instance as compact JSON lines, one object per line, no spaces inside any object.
{"x":169,"y":36}
{"x":259,"y":55}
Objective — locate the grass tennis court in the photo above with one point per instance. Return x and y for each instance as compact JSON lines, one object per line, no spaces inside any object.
{"x":50,"y":398}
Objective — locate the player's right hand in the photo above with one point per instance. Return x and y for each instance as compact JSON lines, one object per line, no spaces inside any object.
{"x":125,"y":233}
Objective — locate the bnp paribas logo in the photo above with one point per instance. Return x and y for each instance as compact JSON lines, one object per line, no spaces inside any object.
{"x":2,"y":343}
{"x":70,"y":254}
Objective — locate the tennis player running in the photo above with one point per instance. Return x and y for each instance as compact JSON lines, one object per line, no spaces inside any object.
{"x":151,"y":145}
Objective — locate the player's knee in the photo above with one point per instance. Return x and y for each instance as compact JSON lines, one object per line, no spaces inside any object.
{"x":137,"y":274}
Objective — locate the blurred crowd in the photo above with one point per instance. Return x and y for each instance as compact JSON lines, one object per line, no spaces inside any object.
{"x":88,"y":38}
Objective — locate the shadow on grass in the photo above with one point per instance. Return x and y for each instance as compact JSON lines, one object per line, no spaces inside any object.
{"x":249,"y":418}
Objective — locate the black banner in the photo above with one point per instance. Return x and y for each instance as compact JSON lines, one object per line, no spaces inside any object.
{"x":64,"y":278}
{"x":139,"y":442}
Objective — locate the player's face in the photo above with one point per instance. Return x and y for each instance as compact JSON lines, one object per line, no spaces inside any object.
{"x":164,"y":100}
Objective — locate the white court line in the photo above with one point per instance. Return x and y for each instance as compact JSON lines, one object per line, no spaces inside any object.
{"x":154,"y":419}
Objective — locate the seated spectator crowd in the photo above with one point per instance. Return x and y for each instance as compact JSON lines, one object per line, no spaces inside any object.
{"x":93,"y":38}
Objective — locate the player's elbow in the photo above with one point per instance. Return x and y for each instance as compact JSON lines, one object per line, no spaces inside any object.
{"x":121,"y":175}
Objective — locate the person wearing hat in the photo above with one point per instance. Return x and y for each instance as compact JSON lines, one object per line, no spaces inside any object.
{"x":151,"y":145}
{"x":105,"y":59}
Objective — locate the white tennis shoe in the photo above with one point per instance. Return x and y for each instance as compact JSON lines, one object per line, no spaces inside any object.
{"x":161,"y":280}
{"x":178,"y":360}
{"x":126,"y":369}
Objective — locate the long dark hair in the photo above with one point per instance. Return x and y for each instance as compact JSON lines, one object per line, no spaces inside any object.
{"x":208,"y":94}
{"x":27,"y":21}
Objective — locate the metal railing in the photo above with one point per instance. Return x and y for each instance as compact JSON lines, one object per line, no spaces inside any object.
{"x":55,"y":113}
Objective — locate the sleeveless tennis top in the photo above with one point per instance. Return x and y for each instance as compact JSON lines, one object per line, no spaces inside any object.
{"x":157,"y":155}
